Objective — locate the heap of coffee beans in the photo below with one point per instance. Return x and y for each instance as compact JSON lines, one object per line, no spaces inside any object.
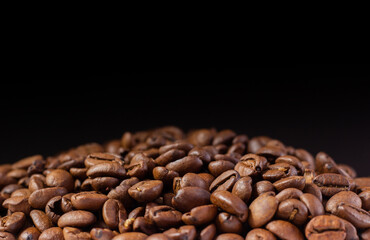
{"x":164,"y":184}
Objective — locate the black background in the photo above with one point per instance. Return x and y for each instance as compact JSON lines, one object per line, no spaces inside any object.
{"x":317,"y":107}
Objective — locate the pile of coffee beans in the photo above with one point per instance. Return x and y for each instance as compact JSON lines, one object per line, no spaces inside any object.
{"x":164,"y":184}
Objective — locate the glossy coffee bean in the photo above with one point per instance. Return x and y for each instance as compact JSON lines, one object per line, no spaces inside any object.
{"x":60,"y":178}
{"x":40,"y":220}
{"x":331,"y":183}
{"x":313,"y":204}
{"x":292,"y":210}
{"x":262,"y":210}
{"x":260,"y":234}
{"x":12,"y":223}
{"x":78,"y":218}
{"x":355,"y":215}
{"x":39,"y":198}
{"x":229,"y":236}
{"x":113,"y":213}
{"x":347,"y":197}
{"x":243,"y":189}
{"x":284,"y":230}
{"x":289,"y":193}
{"x":91,"y":201}
{"x":7,"y":236}
{"x":200,"y":215}
{"x":30,"y":233}
{"x":70,"y":233}
{"x":146,"y":191}
{"x":184,"y":232}
{"x":230,"y":203}
{"x":54,"y":233}
{"x":131,"y":236}
{"x":290,"y":182}
{"x":325,"y":227}
{"x":165,"y":216}
{"x":101,"y":234}
{"x":190,"y":197}
{"x":208,"y":233}
{"x":185,"y":165}
{"x":228,"y":223}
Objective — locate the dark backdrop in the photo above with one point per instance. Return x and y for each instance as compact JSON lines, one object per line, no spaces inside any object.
{"x":317,"y":107}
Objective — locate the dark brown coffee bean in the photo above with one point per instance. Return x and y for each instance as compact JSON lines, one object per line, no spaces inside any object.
{"x":54,"y":209}
{"x":30,"y":233}
{"x":36,"y":182}
{"x":39,"y":198}
{"x":251,"y":165}
{"x":365,"y":235}
{"x":144,"y":225}
{"x":351,"y":232}
{"x":165,"y":216}
{"x":17,"y":204}
{"x":104,"y":184}
{"x":293,"y":211}
{"x":107,"y":169}
{"x":23,"y":192}
{"x":201,"y":153}
{"x":365,"y":199}
{"x":91,"y":201}
{"x":231,"y":204}
{"x":190,"y":197}
{"x":292,"y":161}
{"x":185,"y":232}
{"x":260,"y":234}
{"x":137,"y":212}
{"x":113,"y":213}
{"x":12,"y":223}
{"x":225,"y":181}
{"x":262,"y":187}
{"x":200,"y":215}
{"x":186,"y":165}
{"x":218,"y":167}
{"x":262,"y":210}
{"x":284,"y":230}
{"x":229,"y":236}
{"x":325,"y":227}
{"x":362,"y":182}
{"x":290,"y":182}
{"x":289,"y":193}
{"x":121,"y":191}
{"x":347,"y":197}
{"x":131,"y":236}
{"x":146,"y":191}
{"x":305,"y":156}
{"x":169,"y":156}
{"x":186,"y":147}
{"x":208,"y":233}
{"x":6,"y":236}
{"x":271,"y":152}
{"x":158,"y":236}
{"x":325,"y":164}
{"x":9,"y":189}
{"x":224,"y":137}
{"x":97,"y":158}
{"x":17,"y":173}
{"x":26,"y":162}
{"x":355,"y":215}
{"x":227,"y":223}
{"x":331,"y":183}
{"x":229,"y":158}
{"x":77,"y":219}
{"x":313,"y":204}
{"x":243,"y":189}
{"x":193,"y":180}
{"x":60,"y":178}
{"x":313,"y":189}
{"x":70,"y":233}
{"x":101,"y":234}
{"x":40,"y":220}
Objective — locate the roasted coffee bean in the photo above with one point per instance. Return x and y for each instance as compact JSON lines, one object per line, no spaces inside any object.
{"x":218,"y":167}
{"x":185,"y":232}
{"x":165,"y":216}
{"x":39,"y":198}
{"x":7,"y":236}
{"x":313,"y":189}
{"x":228,"y":223}
{"x":165,"y":175}
{"x":40,"y":220}
{"x":230,"y":203}
{"x":70,"y":233}
{"x":17,"y":204}
{"x":243,"y":189}
{"x":188,"y":198}
{"x":225,"y":181}
{"x":355,"y":215}
{"x":26,"y":162}
{"x":229,"y":236}
{"x":256,"y":143}
{"x":271,"y":152}
{"x":284,"y":230}
{"x":113,"y":213}
{"x":193,"y":180}
{"x":60,"y":178}
{"x":144,"y":225}
{"x":77,"y":219}
{"x":36,"y":182}
{"x":146,"y":191}
{"x":208,"y":233}
{"x":104,"y":184}
{"x":131,"y":236}
{"x":121,"y":191}
{"x":186,"y":165}
{"x":200,"y":215}
{"x":23,"y":192}
{"x":106,"y":169}
{"x":169,"y":156}
{"x":325,"y":227}
{"x":262,"y":187}
{"x":331,"y":183}
{"x":30,"y":233}
{"x":260,"y":234}
{"x":347,"y":197}
{"x":351,"y":232}
{"x":91,"y":201}
{"x":251,"y":165}
{"x":201,"y":153}
{"x":97,"y":158}
{"x":186,"y":147}
{"x":290,"y":182}
{"x":293,"y":211}
{"x":262,"y":210}
{"x":289,"y":193}
{"x":12,"y":223}
{"x":101,"y":234}
{"x":54,"y":209}
{"x":365,"y":198}
{"x":313,"y":204}
{"x":158,"y":236}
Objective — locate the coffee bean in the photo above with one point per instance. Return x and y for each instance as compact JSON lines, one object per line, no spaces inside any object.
{"x":158,"y":236}
{"x":169,"y":156}
{"x":91,"y":201}
{"x":70,"y":233}
{"x":290,"y":182}
{"x":293,"y":211}
{"x":325,"y":227}
{"x":218,"y":167}
{"x":113,"y":213}
{"x":106,"y":169}
{"x":228,"y":223}
{"x":146,"y":191}
{"x":200,"y":215}
{"x":289,"y":193}
{"x":365,"y":199}
{"x":355,"y":215}
{"x":78,"y":218}
{"x":39,"y":198}
{"x":284,"y":230}
{"x":12,"y":223}
{"x":185,"y":232}
{"x":347,"y":197}
{"x":313,"y":204}
{"x":225,"y":181}
{"x":243,"y":189}
{"x":40,"y":220}
{"x":54,"y":233}
{"x":230,"y":203}
{"x":229,"y":236}
{"x":131,"y":236}
{"x":262,"y":210}
{"x":17,"y":204}
{"x":260,"y":234}
{"x":165,"y":216}
{"x":101,"y":234}
{"x":190,"y":197}
{"x":331,"y":183}
{"x":60,"y":178}
{"x":186,"y":165}
{"x":30,"y":233}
